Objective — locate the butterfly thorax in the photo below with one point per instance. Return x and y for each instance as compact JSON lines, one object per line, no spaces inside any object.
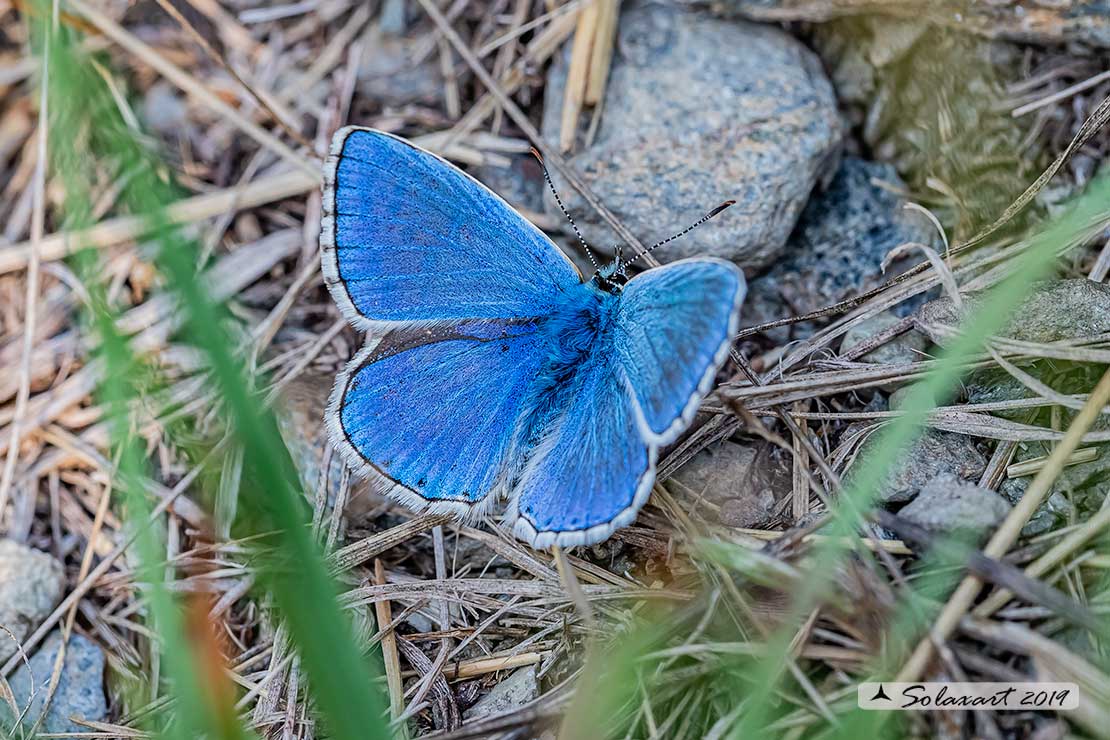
{"x":576,"y":333}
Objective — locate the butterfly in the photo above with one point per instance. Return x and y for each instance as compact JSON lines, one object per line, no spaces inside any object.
{"x":493,"y":370}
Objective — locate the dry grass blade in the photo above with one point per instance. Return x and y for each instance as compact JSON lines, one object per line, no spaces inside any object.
{"x":125,"y":228}
{"x":578,"y":75}
{"x":389,"y":648}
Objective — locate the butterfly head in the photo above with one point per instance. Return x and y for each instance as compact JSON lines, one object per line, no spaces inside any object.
{"x":611,"y":278}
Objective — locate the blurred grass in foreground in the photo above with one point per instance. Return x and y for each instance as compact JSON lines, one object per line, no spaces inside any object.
{"x":86,"y":132}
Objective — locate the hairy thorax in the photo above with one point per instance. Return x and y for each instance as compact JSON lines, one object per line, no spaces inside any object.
{"x":577,"y":335}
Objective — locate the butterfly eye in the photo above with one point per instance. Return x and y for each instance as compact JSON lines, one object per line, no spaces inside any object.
{"x":611,"y":283}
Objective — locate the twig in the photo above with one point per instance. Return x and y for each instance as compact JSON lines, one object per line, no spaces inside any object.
{"x":125,"y":228}
{"x":574,"y":94}
{"x":389,"y":648}
{"x":1056,"y":97}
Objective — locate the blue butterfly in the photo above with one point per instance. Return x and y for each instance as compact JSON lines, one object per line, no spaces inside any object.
{"x":494,"y":371}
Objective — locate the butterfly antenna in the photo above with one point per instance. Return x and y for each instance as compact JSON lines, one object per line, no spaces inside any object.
{"x":551,"y":185}
{"x":684,"y":232}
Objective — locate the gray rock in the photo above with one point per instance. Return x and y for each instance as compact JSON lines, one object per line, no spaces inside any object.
{"x":995,"y":385}
{"x":930,"y":455}
{"x":898,"y":398}
{"x":80,"y":689}
{"x":31,"y":585}
{"x":902,"y":349}
{"x":518,"y":689}
{"x":947,"y":504}
{"x":698,"y":110}
{"x":743,"y":481}
{"x":838,"y":247}
{"x":1055,"y":310}
{"x":164,"y":109}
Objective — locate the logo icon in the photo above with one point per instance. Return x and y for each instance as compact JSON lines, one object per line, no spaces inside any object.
{"x":880,"y":694}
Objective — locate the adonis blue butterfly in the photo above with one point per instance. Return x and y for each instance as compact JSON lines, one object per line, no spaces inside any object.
{"x":494,"y":372}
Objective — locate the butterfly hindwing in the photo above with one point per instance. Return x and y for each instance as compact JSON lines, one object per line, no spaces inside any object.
{"x":406,"y":236}
{"x":675,"y":324}
{"x":592,"y":472}
{"x":431,"y":417}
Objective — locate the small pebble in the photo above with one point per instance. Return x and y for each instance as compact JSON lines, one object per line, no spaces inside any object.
{"x":931,"y":454}
{"x":744,"y":480}
{"x":947,"y":505}
{"x":31,"y":585}
{"x":907,"y":347}
{"x":80,"y":689}
{"x":519,"y":688}
{"x":1055,"y":310}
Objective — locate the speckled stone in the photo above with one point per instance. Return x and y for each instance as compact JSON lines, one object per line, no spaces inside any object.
{"x":31,"y":585}
{"x":80,"y":689}
{"x":930,"y":455}
{"x":837,"y":250}
{"x":744,"y":481}
{"x":1059,"y":309}
{"x":698,"y":110}
{"x":948,"y":505}
{"x":519,"y":688}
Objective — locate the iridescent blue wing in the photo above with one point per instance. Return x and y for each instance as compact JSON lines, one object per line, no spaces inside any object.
{"x":676,"y":323}
{"x":594,"y":466}
{"x":408,"y":237}
{"x":430,"y":418}
{"x":592,"y":470}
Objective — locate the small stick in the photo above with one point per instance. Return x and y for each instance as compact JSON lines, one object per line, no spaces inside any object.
{"x":800,"y":502}
{"x":578,"y":72}
{"x":481,"y":666}
{"x":125,"y":228}
{"x":574,"y":589}
{"x":390,"y":657}
{"x":602,"y":57}
{"x":1029,"y":467}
